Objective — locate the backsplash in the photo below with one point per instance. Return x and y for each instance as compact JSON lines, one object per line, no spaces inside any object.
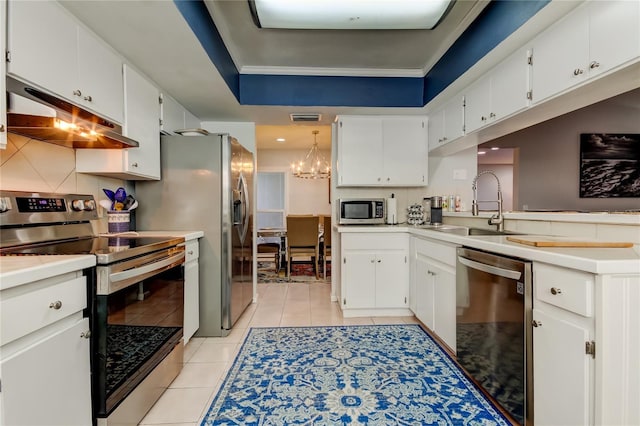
{"x":31,"y":165}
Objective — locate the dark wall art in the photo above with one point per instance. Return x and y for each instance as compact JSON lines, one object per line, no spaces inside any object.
{"x":609,"y":165}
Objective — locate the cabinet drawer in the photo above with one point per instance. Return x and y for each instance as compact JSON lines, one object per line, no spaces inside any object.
{"x":444,"y":253}
{"x":375,"y":241}
{"x":27,"y":312}
{"x":566,"y":288}
{"x":192,"y":250}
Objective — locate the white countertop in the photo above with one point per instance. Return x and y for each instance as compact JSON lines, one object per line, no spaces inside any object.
{"x":18,"y":270}
{"x":594,"y":260}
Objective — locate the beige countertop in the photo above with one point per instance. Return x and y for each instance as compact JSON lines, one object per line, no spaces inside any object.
{"x":594,"y":260}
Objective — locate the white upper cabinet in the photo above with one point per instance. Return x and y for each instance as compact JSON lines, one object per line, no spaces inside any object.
{"x":171,"y":115}
{"x":48,"y":48}
{"x":3,"y":69}
{"x":447,"y":124}
{"x":594,"y":39}
{"x":359,"y":150}
{"x":175,"y":117}
{"x":502,"y":92}
{"x":382,"y":151}
{"x":141,"y":124}
{"x":142,"y":110}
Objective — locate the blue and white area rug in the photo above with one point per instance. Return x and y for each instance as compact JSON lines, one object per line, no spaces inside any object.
{"x":347,"y":375}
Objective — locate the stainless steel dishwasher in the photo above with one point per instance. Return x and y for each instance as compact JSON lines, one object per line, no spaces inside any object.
{"x":493,"y":327}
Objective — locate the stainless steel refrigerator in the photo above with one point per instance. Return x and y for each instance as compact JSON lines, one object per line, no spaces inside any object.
{"x":207,"y":184}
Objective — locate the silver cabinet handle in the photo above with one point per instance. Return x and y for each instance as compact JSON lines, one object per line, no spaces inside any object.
{"x":134,"y":164}
{"x":373,"y":261}
{"x":190,"y":252}
{"x":379,"y":261}
{"x":536,"y":323}
{"x":594,"y":64}
{"x":431,"y":273}
{"x":388,"y":179}
{"x":56,"y":305}
{"x":1,"y":128}
{"x":483,"y":118}
{"x":577,"y":71}
{"x":555,"y":291}
{"x":77,"y":92}
{"x":85,"y":334}
{"x":379,"y":179}
{"x":88,"y":98}
{"x":444,"y":139}
{"x":507,"y":273}
{"x":492,"y":115}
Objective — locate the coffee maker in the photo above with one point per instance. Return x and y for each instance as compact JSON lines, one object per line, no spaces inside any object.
{"x":435,"y":210}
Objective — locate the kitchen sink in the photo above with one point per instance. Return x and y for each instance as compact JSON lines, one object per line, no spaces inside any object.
{"x":467,"y":231}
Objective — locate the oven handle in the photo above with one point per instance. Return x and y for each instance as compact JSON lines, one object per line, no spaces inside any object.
{"x":506,"y":273}
{"x":145,"y":269}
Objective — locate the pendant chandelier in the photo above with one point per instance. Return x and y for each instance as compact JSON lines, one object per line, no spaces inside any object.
{"x":313,"y":165}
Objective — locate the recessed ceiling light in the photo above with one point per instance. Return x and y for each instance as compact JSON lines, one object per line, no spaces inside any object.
{"x":280,"y":140}
{"x":482,"y":152}
{"x":349,"y":14}
{"x":494,"y":148}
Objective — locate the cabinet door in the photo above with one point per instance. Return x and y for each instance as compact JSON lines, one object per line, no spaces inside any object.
{"x":359,"y":151}
{"x":100,"y":77}
{"x":358,"y":279}
{"x":454,"y":119}
{"x":142,"y":110}
{"x":444,"y":300}
{"x":560,"y":56}
{"x":172,"y":115}
{"x":424,"y":292}
{"x":509,"y":86}
{"x":3,"y":64}
{"x":614,"y":37}
{"x":49,"y":383}
{"x":561,"y":371}
{"x":191,"y":299}
{"x":392,"y":279}
{"x":436,"y":129}
{"x":477,"y":104}
{"x":43,"y":42}
{"x":404,"y":151}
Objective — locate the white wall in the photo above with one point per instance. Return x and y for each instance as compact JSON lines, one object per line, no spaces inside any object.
{"x":488,"y":187}
{"x":441,"y":175}
{"x":304,"y":196}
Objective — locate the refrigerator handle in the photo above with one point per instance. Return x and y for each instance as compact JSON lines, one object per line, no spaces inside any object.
{"x":244,"y":208}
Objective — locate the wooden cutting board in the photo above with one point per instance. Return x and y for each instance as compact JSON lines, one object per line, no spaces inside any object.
{"x":540,"y":241}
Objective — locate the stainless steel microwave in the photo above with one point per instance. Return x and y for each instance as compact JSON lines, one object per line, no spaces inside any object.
{"x":361,"y":211}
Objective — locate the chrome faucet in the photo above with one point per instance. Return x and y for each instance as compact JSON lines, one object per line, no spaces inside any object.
{"x":496,"y":219}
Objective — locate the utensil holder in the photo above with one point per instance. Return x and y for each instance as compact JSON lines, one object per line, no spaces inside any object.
{"x":118,"y":221}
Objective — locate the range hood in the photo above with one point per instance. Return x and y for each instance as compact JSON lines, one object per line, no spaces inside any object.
{"x":37,"y":114}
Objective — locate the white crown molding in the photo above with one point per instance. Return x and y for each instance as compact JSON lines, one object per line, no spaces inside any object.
{"x":342,"y":72}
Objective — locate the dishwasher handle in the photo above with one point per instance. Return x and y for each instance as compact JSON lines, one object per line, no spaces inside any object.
{"x":506,"y":273}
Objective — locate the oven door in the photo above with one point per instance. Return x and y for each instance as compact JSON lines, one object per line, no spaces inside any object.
{"x":137,"y":320}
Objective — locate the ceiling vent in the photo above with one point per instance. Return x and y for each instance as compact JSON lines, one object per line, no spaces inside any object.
{"x":306,"y":118}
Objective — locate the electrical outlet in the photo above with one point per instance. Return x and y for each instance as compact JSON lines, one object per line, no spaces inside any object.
{"x":460,"y":174}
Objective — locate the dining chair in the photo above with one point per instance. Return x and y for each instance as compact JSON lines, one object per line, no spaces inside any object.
{"x":302,"y":240}
{"x":326,"y":245}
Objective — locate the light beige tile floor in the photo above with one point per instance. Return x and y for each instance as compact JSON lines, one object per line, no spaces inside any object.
{"x":207,"y":360}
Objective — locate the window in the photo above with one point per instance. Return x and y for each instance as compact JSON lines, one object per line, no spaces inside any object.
{"x":271,"y":200}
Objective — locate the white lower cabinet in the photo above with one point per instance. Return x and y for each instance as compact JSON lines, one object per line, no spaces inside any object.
{"x":44,"y":358}
{"x":434,"y":281}
{"x":374,"y":274}
{"x":563,"y":328}
{"x":191,"y":290}
{"x":48,"y":383}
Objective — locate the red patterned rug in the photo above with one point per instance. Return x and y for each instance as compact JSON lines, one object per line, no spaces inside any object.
{"x":302,"y":272}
